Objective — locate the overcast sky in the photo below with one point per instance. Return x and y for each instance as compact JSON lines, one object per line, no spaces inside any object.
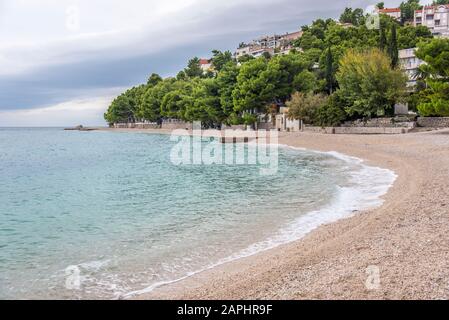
{"x":63,"y":61}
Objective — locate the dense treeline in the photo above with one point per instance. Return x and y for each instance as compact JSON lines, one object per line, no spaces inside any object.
{"x":334,"y":73}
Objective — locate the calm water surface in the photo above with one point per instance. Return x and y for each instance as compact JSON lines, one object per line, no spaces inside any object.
{"x":113,"y":206}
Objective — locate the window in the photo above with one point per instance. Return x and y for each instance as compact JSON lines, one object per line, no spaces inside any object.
{"x":437,"y":22}
{"x":429,"y":17}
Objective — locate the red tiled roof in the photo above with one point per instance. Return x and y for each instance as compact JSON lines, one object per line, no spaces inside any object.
{"x":204,"y":61}
{"x":433,"y":7}
{"x":390,"y":10}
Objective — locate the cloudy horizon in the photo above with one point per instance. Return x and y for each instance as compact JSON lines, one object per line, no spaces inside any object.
{"x":63,"y":61}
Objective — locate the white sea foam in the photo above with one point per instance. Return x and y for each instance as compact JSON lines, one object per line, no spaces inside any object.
{"x":368,"y":185}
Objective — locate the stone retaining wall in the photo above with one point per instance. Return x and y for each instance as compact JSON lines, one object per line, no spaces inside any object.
{"x":136,"y":126}
{"x":177,"y":125}
{"x":380,"y":123}
{"x":433,"y":122}
{"x":356,"y":130}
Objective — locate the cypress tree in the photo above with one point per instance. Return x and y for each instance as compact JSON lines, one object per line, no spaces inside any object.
{"x":329,"y":70}
{"x":383,"y":38}
{"x":393,"y":47}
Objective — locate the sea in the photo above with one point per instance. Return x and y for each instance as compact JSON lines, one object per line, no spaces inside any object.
{"x":109,"y":215}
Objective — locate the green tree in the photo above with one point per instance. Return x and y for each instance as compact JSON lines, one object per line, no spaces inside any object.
{"x":306,"y":81}
{"x":124,"y":107}
{"x":193,"y":69}
{"x":150,"y":108}
{"x":436,"y":55}
{"x":204,"y":104}
{"x":440,"y":2}
{"x":226,"y":81}
{"x":382,"y":38}
{"x":154,"y":79}
{"x":245,"y":58}
{"x":175,"y":102}
{"x":435,"y":100}
{"x":119,"y":111}
{"x":181,"y":76}
{"x":408,"y":9}
{"x":220,"y":59}
{"x":368,"y":84}
{"x":304,"y":106}
{"x":266,"y":55}
{"x":355,"y":17}
{"x":393,"y":47}
{"x":260,"y":83}
{"x":409,"y":36}
{"x":329,"y":71}
{"x":330,"y":114}
{"x":248,"y":92}
{"x":380,"y":5}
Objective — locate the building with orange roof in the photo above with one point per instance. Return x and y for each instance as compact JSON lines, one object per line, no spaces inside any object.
{"x":206,"y":65}
{"x":395,"y":13}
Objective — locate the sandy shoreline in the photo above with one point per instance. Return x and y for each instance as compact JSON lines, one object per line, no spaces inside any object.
{"x":407,"y":239}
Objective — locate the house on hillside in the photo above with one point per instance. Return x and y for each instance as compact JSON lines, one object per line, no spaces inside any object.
{"x":206,"y":65}
{"x":410,"y":64}
{"x":274,"y":44}
{"x":395,"y":13}
{"x":436,"y":18}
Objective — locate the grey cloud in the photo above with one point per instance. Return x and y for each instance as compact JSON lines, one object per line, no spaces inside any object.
{"x":222,"y":30}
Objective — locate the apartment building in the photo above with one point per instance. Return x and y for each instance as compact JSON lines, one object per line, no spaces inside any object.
{"x":410,"y":64}
{"x":436,"y":18}
{"x":271,"y":44}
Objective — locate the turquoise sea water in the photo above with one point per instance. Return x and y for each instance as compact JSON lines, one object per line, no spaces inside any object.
{"x":113,"y":206}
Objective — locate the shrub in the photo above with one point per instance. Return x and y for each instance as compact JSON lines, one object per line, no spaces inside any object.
{"x":368,"y":84}
{"x":304,"y":106}
{"x":330,"y":114}
{"x":435,"y":100}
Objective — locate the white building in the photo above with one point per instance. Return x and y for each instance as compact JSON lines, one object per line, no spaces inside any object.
{"x":436,"y":18}
{"x":242,"y":51}
{"x":395,"y":13}
{"x":206,"y":65}
{"x":271,"y":44}
{"x":410,"y":64}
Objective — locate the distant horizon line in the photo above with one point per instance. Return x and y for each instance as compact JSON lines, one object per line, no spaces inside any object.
{"x":49,"y":127}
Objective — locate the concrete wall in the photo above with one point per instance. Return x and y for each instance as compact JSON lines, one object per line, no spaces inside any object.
{"x":370,"y":130}
{"x":433,"y":122}
{"x":235,"y":127}
{"x":283,"y":123}
{"x":175,"y":125}
{"x":168,"y":125}
{"x":265,"y":126}
{"x":356,"y":130}
{"x":136,"y":126}
{"x":379,"y":123}
{"x":327,"y":130}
